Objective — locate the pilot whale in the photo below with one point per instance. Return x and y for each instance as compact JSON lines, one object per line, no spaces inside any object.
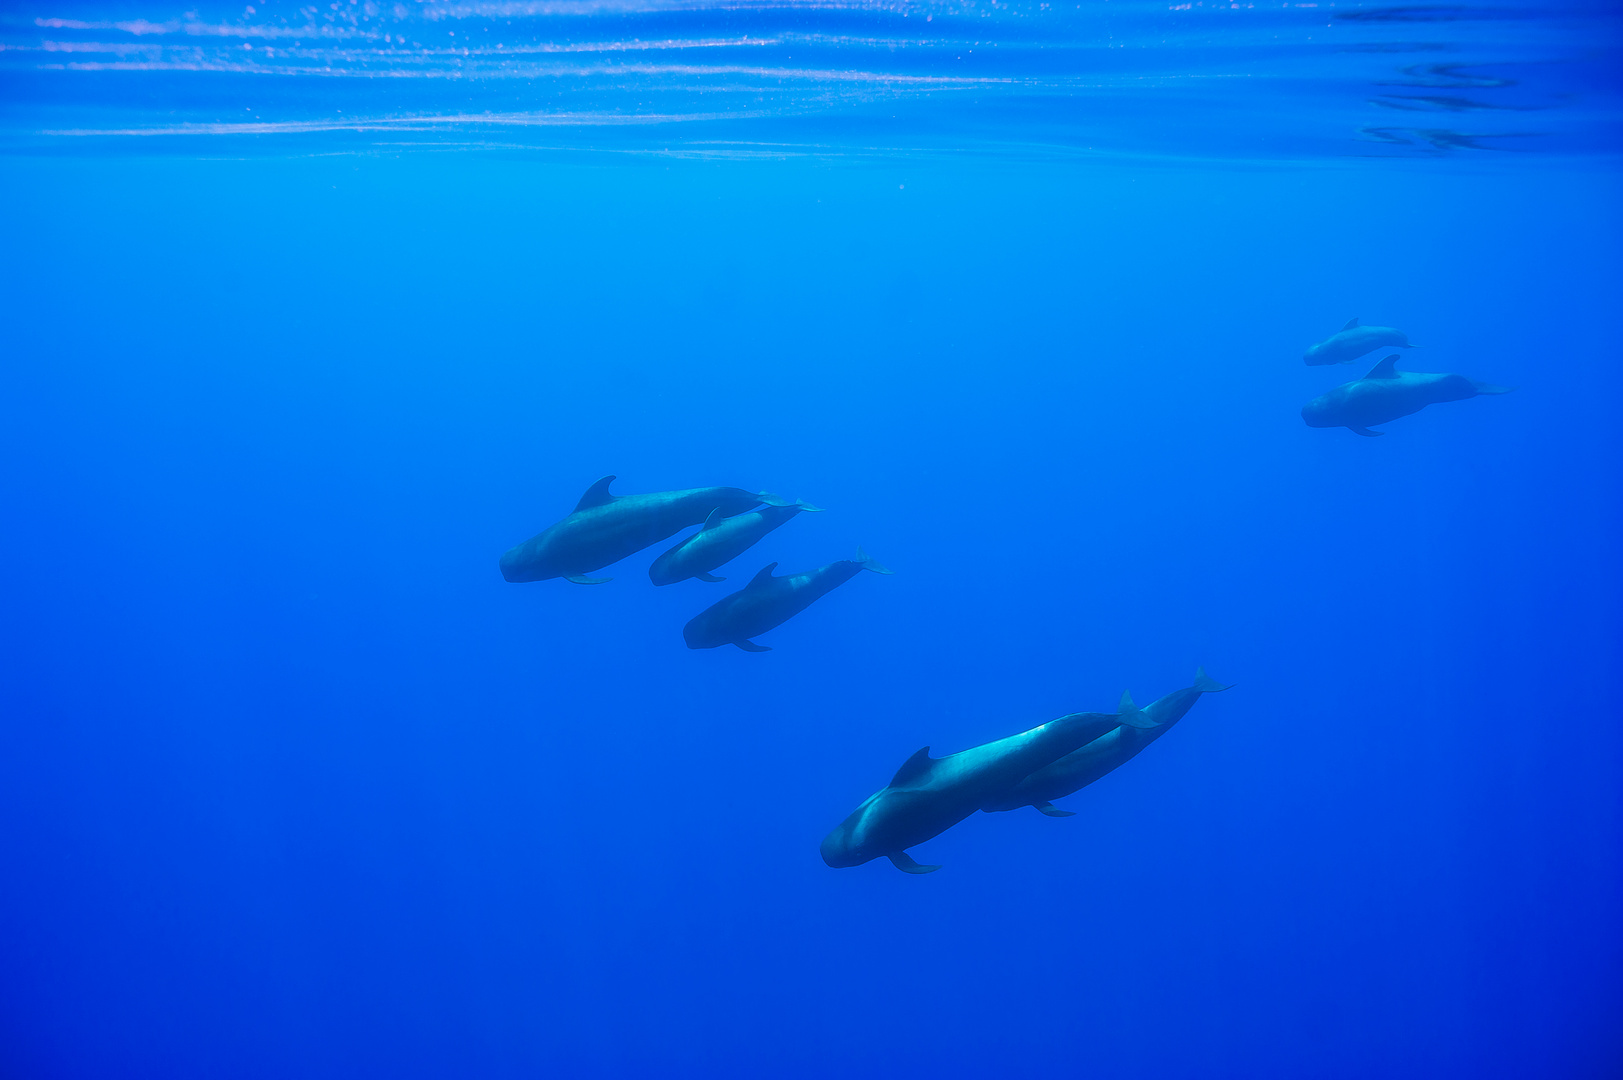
{"x":1386,"y":394}
{"x":768,"y":601}
{"x":721,"y":540}
{"x":1353,"y":341}
{"x":1083,"y":766}
{"x":606,"y":528}
{"x":928,"y":796}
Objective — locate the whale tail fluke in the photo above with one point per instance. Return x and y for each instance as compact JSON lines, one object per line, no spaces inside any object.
{"x":871,"y":564}
{"x":1490,"y":388}
{"x":1208,"y":685}
{"x":1131,"y":715}
{"x":808,"y":507}
{"x":904,"y":862}
{"x":774,"y":500}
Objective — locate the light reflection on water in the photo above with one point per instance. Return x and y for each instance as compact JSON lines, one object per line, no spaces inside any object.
{"x":1226,"y":80}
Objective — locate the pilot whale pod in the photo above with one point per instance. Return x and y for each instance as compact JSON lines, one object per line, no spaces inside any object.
{"x":606,"y":528}
{"x":928,"y":796}
{"x":768,"y":601}
{"x":1387,"y":394}
{"x":1109,"y":751}
{"x":719,"y":541}
{"x":1353,"y":341}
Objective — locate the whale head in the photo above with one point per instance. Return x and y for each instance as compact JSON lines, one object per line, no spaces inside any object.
{"x":1317,"y":413}
{"x":517,"y":567}
{"x":848,"y":844}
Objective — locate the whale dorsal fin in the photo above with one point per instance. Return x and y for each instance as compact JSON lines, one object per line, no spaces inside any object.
{"x":1386,"y":369}
{"x":764,"y":574}
{"x":1130,"y":714}
{"x":596,"y":495}
{"x":914,"y":768}
{"x":713,"y":520}
{"x":1351,"y":324}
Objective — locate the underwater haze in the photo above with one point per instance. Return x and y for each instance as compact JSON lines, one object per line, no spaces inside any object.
{"x":314,"y":311}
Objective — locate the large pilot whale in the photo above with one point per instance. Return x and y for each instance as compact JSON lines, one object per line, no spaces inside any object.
{"x":720,"y":541}
{"x":928,"y":796}
{"x":1352,"y":341}
{"x":1083,"y":766}
{"x":1386,"y":394}
{"x":768,"y":601}
{"x":606,"y":528}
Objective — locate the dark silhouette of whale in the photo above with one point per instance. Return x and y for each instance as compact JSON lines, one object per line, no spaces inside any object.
{"x":1083,"y":766}
{"x":1352,"y":341}
{"x":606,"y":528}
{"x":768,"y":601}
{"x":1386,"y":394}
{"x":928,"y":796}
{"x":720,"y":541}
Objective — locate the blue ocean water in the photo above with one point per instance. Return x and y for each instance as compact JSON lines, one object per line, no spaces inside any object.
{"x":313,"y":311}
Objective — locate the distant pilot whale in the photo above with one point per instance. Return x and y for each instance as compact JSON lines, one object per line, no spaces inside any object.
{"x":1353,"y":341}
{"x":720,"y":541}
{"x":1386,"y":394}
{"x":606,"y":528}
{"x":1083,"y":766}
{"x":928,"y":796}
{"x":768,"y":601}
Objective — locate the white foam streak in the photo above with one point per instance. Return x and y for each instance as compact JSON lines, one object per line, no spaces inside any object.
{"x":412,"y":123}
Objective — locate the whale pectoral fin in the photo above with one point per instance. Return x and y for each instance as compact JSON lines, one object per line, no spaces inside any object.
{"x":904,"y":862}
{"x":750,"y":646}
{"x":582,"y":579}
{"x":1051,"y":810}
{"x":1366,"y":432}
{"x":708,"y":577}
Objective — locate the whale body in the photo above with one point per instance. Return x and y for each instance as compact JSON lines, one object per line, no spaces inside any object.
{"x":768,"y":601}
{"x":928,"y":796}
{"x":1386,"y":394}
{"x":721,"y":540}
{"x":1353,"y":341}
{"x":606,"y":528}
{"x":1109,"y":751}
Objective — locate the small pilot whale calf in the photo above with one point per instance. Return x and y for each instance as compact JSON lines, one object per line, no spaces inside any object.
{"x":1353,"y":341}
{"x":768,"y":601}
{"x":606,"y":528}
{"x":721,"y":540}
{"x":1386,"y":394}
{"x":928,"y":796}
{"x":1083,"y":766}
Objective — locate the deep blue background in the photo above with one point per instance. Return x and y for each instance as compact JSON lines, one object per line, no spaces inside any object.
{"x":292,"y":784}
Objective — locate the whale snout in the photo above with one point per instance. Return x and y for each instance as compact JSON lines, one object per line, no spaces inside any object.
{"x":836,"y":850}
{"x":514,"y":568}
{"x":1316,"y":414}
{"x":698,"y":636}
